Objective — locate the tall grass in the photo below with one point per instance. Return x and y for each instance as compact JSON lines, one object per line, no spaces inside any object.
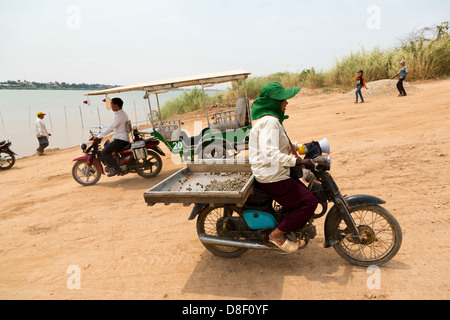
{"x":427,"y":52}
{"x":190,"y":100}
{"x":288,"y":79}
{"x":376,"y":65}
{"x":427,"y":55}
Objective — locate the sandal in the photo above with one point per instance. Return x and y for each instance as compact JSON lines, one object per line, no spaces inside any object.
{"x":287,"y":246}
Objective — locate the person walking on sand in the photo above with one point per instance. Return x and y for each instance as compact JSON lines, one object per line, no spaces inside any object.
{"x":41,"y":133}
{"x":402,"y":76}
{"x":360,"y":83}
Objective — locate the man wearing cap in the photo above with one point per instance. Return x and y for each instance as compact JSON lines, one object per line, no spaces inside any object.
{"x":402,"y":76}
{"x":41,"y":133}
{"x":272,"y":155}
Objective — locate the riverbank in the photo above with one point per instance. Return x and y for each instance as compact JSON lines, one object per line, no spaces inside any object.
{"x":393,"y":148}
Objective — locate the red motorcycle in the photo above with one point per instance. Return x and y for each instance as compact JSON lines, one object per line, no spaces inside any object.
{"x":7,"y":156}
{"x":141,"y":157}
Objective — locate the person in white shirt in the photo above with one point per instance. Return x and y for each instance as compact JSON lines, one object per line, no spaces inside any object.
{"x":121,"y":136}
{"x":41,"y":133}
{"x":271,"y":162}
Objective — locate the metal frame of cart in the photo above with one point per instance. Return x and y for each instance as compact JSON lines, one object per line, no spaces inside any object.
{"x":225,"y":137}
{"x":164,"y":191}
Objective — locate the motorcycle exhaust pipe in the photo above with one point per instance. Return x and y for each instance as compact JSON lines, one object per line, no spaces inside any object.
{"x":213,"y":240}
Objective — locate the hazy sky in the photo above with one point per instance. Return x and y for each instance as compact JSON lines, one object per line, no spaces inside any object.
{"x":126,"y":42}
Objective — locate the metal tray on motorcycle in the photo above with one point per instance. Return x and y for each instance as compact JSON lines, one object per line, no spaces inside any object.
{"x":207,"y":182}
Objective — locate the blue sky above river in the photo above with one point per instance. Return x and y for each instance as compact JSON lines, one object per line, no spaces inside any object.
{"x":125,"y":42}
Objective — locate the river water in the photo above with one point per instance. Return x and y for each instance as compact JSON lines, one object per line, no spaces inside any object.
{"x":67,"y":118}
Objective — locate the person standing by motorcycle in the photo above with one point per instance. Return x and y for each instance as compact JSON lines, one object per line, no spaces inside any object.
{"x":121,"y":136}
{"x":271,"y":162}
{"x":41,"y":133}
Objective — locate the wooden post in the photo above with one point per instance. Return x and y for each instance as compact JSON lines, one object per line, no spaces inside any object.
{"x":81,"y":116}
{"x":65,"y":115}
{"x":99,"y":121}
{"x":50,"y":117}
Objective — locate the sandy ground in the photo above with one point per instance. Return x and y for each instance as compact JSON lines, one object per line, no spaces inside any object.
{"x":393,"y":148}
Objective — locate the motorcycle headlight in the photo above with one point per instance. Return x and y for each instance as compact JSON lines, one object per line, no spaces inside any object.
{"x":83,"y":146}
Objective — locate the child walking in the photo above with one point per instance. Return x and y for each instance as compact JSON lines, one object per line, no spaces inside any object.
{"x":360,"y":83}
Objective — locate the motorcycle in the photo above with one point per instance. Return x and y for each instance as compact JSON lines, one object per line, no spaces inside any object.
{"x":7,"y":156}
{"x":359,"y":229}
{"x":141,"y":157}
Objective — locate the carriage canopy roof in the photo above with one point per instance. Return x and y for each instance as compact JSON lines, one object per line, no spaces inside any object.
{"x":168,"y":84}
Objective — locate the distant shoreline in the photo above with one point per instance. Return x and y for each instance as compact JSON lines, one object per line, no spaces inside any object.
{"x":80,"y":89}
{"x":48,"y":89}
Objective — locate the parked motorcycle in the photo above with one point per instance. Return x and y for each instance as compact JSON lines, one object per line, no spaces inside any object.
{"x":141,"y":157}
{"x":357,"y":227}
{"x":7,"y":156}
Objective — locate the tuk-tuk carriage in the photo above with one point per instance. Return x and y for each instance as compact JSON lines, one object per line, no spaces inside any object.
{"x":226,"y":134}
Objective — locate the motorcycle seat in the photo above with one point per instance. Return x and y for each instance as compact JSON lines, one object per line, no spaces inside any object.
{"x":151,"y":140}
{"x":2,"y":143}
{"x":128,"y":146}
{"x":126,"y":149}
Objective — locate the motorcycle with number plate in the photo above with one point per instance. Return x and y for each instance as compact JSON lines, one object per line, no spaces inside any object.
{"x":142,"y":156}
{"x":7,"y":156}
{"x":359,"y":229}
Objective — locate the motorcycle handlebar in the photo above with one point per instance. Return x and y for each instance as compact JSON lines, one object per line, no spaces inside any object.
{"x":322,"y":160}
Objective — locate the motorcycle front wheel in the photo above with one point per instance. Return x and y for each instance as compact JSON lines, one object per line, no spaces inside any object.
{"x":211,"y":222}
{"x":151,"y":166}
{"x":8,"y":160}
{"x":84,"y":174}
{"x":380,"y":232}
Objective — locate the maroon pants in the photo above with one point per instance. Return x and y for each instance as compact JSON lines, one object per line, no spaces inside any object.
{"x":295,"y":198}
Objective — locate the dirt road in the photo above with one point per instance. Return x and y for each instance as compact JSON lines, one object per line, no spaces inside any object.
{"x":393,"y":148}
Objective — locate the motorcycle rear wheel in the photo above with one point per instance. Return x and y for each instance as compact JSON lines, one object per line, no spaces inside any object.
{"x":155,"y":167}
{"x":82,"y":173}
{"x":10,"y":160}
{"x":380,"y":232}
{"x":208,"y":222}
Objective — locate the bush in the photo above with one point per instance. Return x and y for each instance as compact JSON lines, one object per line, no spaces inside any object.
{"x":426,"y":52}
{"x":189,"y":101}
{"x":427,"y":55}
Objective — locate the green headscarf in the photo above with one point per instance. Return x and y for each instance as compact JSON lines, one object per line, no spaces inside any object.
{"x":269,"y":101}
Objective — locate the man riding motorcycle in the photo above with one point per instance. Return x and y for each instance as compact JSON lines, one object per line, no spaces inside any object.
{"x":271,"y":163}
{"x":121,"y":136}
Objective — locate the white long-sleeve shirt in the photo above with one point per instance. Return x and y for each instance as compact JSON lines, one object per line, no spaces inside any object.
{"x":118,"y":126}
{"x":269,"y":151}
{"x":40,"y":129}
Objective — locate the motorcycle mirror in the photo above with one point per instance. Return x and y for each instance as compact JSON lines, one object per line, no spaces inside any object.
{"x":325,"y":145}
